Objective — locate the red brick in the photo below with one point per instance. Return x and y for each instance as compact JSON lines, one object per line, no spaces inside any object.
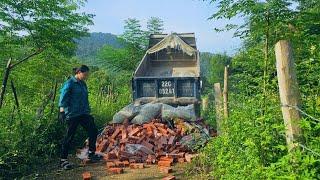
{"x":171,"y":131}
{"x":149,"y":131}
{"x":159,"y":125}
{"x":115,"y":133}
{"x":169,"y":178}
{"x":125,"y":154}
{"x":171,"y":139}
{"x":181,"y":155}
{"x":181,"y":160}
{"x":86,"y":176}
{"x":111,"y":155}
{"x":153,"y":127}
{"x":141,"y":139}
{"x":165,"y":163}
{"x":115,"y":170}
{"x":110,"y":164}
{"x":126,"y":163}
{"x":134,"y":131}
{"x":134,"y":138}
{"x":164,"y":158}
{"x":122,"y":141}
{"x":163,"y":140}
{"x":136,"y":165}
{"x":123,"y":133}
{"x":103,"y":145}
{"x":148,"y":145}
{"x":132,"y":160}
{"x":189,"y":157}
{"x":145,"y":126}
{"x":119,"y":164}
{"x":163,"y":131}
{"x":166,"y":170}
{"x":151,"y":159}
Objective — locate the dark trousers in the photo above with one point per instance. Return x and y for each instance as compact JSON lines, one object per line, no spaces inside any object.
{"x":87,"y":122}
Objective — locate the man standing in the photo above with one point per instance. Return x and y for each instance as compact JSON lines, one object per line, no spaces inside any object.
{"x":74,"y":109}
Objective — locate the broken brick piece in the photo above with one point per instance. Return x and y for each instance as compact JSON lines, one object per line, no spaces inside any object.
{"x":163,"y":140}
{"x":146,"y":144}
{"x":103,"y":145}
{"x":126,"y":163}
{"x":181,"y":160}
{"x":123,"y":133}
{"x":171,"y":131}
{"x":115,"y":170}
{"x":116,"y":132}
{"x":110,"y":164}
{"x":111,"y":155}
{"x":163,"y":131}
{"x":119,"y":164}
{"x":165,"y":163}
{"x":86,"y":175}
{"x":169,"y":178}
{"x":134,"y":131}
{"x":136,"y":165}
{"x":189,"y":157}
{"x":165,"y":158}
{"x":166,"y":170}
{"x":159,"y":125}
{"x":171,"y":139}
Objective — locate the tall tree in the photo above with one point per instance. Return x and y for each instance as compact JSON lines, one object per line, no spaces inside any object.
{"x":28,"y":27}
{"x":265,"y":23}
{"x":155,"y":25}
{"x":133,"y":34}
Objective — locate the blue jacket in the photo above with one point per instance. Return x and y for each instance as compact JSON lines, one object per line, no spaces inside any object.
{"x":74,"y":98}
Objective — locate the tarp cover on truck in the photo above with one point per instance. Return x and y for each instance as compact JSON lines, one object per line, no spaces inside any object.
{"x":175,"y":42}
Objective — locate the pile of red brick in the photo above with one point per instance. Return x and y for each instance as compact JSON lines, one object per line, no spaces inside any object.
{"x":135,"y":145}
{"x":156,"y":139}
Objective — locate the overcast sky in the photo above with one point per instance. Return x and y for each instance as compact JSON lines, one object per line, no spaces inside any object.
{"x":178,"y":16}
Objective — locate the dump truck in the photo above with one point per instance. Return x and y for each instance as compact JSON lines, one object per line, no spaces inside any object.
{"x":169,"y":72}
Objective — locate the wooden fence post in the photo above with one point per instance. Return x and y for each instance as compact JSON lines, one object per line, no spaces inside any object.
{"x":205,"y":103}
{"x":289,"y":91}
{"x":4,"y":82}
{"x":225,"y":92}
{"x":15,"y":94}
{"x":218,"y":105}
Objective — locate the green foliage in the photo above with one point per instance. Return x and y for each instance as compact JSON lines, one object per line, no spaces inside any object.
{"x":88,"y":47}
{"x":212,"y":69}
{"x":45,"y":31}
{"x":133,"y":34}
{"x":125,"y":59}
{"x":27,"y":141}
{"x":155,"y":25}
{"x":136,"y":37}
{"x":253,"y":144}
{"x":108,"y":94}
{"x":43,"y":24}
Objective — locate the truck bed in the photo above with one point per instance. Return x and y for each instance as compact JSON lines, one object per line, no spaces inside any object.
{"x":169,"y":75}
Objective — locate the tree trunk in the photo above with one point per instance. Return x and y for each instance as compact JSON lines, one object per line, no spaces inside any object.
{"x":266,"y":60}
{"x":225,"y":93}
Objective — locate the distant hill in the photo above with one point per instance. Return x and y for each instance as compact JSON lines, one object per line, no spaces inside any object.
{"x":89,"y":46}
